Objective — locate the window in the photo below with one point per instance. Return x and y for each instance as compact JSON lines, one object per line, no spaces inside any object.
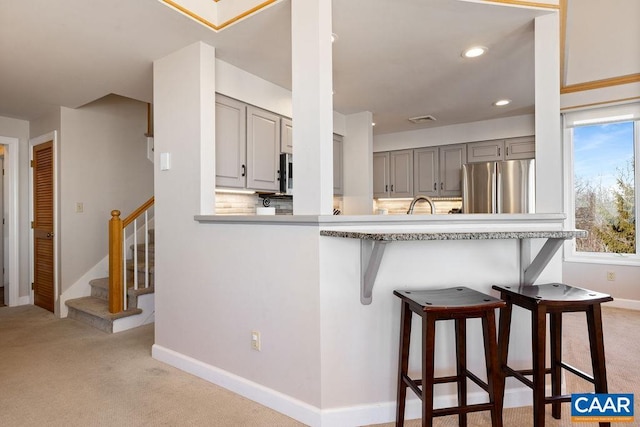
{"x":602,"y":191}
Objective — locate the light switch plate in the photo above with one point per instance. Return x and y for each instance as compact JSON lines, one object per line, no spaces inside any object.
{"x":165,"y":161}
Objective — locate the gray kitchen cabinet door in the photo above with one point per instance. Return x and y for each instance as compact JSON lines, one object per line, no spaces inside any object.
{"x":520,"y":148}
{"x":452,"y":157}
{"x":401,"y":170}
{"x":263,"y":149}
{"x":381,"y":174}
{"x":338,"y":189}
{"x":286,"y":135}
{"x":485,"y":151}
{"x":426,"y":172}
{"x":230,"y":143}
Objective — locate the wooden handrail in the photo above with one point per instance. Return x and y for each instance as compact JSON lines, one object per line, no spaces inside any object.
{"x":135,"y":214}
{"x":116,"y":302}
{"x":116,"y":255}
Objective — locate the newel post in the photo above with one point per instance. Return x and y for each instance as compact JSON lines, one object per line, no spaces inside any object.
{"x":115,"y":263}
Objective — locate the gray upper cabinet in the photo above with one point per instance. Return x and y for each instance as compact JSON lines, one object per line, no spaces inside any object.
{"x":426,"y":171}
{"x":286,"y":133}
{"x":230,"y":142}
{"x":520,"y":148}
{"x":263,"y":149}
{"x":452,"y":157}
{"x":401,"y":173}
{"x":438,"y":170}
{"x":248,"y":144}
{"x":485,"y":151}
{"x":393,"y":174}
{"x":338,"y":188}
{"x":381,"y":174}
{"x":501,"y":149}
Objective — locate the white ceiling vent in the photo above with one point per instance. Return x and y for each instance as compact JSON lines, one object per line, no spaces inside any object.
{"x":422,"y":119}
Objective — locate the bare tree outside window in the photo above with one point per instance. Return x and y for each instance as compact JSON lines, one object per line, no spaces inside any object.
{"x":604,"y":187}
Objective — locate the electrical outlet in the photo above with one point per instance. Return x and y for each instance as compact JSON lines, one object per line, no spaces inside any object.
{"x":611,"y":276}
{"x":255,"y":340}
{"x":79,"y":207}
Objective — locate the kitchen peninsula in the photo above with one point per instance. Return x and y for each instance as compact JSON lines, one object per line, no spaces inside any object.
{"x":320,"y":309}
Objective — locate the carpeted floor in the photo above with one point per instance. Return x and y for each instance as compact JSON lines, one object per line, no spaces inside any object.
{"x":64,"y":373}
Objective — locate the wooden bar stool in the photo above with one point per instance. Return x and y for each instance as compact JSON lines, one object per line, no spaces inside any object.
{"x":458,"y":304}
{"x":554,"y":299}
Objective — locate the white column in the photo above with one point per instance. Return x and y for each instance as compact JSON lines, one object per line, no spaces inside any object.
{"x":358,"y":160}
{"x":184,"y":115}
{"x":548,"y":127}
{"x":312,"y":107}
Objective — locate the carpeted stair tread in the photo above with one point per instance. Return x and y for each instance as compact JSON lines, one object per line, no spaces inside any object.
{"x":99,"y":308}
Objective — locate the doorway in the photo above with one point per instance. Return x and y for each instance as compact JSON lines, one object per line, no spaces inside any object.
{"x":11,"y":148}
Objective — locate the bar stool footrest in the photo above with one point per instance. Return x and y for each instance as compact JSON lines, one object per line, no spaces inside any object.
{"x":578,"y":372}
{"x":555,"y":399}
{"x":441,"y":412}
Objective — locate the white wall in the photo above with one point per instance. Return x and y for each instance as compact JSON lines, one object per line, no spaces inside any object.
{"x":603,"y":38}
{"x":217,"y":283}
{"x":455,"y":134}
{"x":590,"y":57}
{"x":20,"y":129}
{"x":104,"y":166}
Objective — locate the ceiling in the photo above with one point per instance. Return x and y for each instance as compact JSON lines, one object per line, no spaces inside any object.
{"x":396,"y":59}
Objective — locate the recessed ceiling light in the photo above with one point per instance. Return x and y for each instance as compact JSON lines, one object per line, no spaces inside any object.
{"x":474,"y":52}
{"x":502,"y":102}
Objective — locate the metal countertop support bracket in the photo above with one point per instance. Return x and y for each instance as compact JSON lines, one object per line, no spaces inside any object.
{"x":370,"y":257}
{"x":530,"y":270}
{"x":371,"y":253}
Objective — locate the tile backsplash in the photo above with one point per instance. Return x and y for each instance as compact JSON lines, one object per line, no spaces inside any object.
{"x":246,"y":204}
{"x":400,"y":206}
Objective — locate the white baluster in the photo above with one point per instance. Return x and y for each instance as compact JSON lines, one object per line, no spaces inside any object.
{"x":124,"y":268}
{"x":135,"y":254}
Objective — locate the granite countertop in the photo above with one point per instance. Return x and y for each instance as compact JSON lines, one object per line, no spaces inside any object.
{"x":409,"y":236}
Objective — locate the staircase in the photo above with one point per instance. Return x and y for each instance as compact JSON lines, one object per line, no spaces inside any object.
{"x":94,"y":309}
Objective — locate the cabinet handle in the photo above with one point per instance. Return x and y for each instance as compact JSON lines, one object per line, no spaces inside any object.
{"x":498,"y":151}
{"x":278,"y":175}
{"x":506,"y":151}
{"x":392,"y":188}
{"x":244,"y":170}
{"x":435,"y":186}
{"x":442,"y":185}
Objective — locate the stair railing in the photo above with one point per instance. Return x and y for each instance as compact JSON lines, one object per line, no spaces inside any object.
{"x":117,"y":249}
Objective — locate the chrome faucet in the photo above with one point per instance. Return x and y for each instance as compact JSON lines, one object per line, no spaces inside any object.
{"x":417,"y":199}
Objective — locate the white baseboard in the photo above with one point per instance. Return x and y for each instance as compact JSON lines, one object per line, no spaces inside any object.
{"x":377,"y":413}
{"x":629,"y":304}
{"x":275,"y":400}
{"x":24,"y":300}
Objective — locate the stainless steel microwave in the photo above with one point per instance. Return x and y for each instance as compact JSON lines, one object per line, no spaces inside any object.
{"x":286,"y":173}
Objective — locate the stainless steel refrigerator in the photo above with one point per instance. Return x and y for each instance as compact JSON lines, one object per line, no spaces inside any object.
{"x":499,"y":187}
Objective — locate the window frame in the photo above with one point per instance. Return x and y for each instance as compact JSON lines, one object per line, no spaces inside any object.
{"x":570,"y":252}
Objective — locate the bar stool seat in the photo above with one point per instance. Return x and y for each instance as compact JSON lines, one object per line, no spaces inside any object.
{"x":458,"y":304}
{"x":554,"y":299}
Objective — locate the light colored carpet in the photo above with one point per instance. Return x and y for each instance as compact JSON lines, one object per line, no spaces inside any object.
{"x":65,"y":373}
